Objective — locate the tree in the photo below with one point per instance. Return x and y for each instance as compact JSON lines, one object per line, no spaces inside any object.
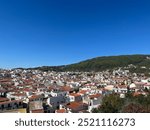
{"x":111,"y":104}
{"x":95,"y":110}
{"x":137,"y":104}
{"x":133,"y":108}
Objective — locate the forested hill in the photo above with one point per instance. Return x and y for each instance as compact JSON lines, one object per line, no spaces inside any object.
{"x":137,"y":62}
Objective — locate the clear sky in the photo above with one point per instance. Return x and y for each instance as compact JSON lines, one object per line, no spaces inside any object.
{"x":55,"y":32}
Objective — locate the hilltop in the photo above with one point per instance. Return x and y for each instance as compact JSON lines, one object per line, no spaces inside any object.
{"x":137,"y":63}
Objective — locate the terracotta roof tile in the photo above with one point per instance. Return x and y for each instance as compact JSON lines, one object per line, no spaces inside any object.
{"x":3,"y":99}
{"x":37,"y":111}
{"x":75,"y":94}
{"x":94,"y":96}
{"x":75,"y":105}
{"x":61,"y":111}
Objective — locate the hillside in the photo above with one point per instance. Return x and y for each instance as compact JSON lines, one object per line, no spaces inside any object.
{"x":104,"y":63}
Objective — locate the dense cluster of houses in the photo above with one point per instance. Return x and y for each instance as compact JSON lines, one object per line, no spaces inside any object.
{"x":34,"y":91}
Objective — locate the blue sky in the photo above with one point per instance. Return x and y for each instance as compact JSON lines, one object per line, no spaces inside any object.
{"x":55,"y":32}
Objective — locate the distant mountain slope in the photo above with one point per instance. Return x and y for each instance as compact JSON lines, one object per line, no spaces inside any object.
{"x":103,"y":63}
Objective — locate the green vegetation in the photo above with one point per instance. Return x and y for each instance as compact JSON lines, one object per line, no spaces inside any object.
{"x":111,"y":104}
{"x":114,"y":104}
{"x":105,"y":63}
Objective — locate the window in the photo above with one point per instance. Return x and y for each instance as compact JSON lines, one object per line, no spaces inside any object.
{"x":2,"y":107}
{"x":20,"y":103}
{"x":9,"y":105}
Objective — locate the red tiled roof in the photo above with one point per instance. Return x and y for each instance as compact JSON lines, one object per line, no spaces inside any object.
{"x":94,"y":96}
{"x":19,"y":94}
{"x":75,"y":94}
{"x":3,"y":99}
{"x":83,"y":91}
{"x":35,"y":97}
{"x":136,"y":94}
{"x":13,"y":101}
{"x":75,"y":105}
{"x":5,"y":80}
{"x":122,"y":86}
{"x":27,"y":89}
{"x":61,"y":111}
{"x":139,"y":83}
{"x":37,"y":111}
{"x":66,"y":88}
